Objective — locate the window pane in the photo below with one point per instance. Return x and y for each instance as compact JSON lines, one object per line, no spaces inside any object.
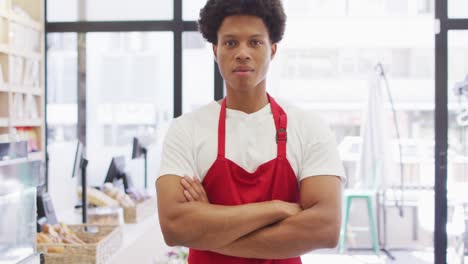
{"x":191,"y":9}
{"x":108,"y":10}
{"x":62,"y":83}
{"x":197,"y":72}
{"x":457,"y":174}
{"x":62,"y":116}
{"x":129,"y":93}
{"x":458,"y":8}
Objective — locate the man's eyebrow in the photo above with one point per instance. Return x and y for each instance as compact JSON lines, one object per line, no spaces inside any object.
{"x":257,"y":36}
{"x":228,"y":36}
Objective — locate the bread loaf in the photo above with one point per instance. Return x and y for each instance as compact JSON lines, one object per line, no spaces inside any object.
{"x":118,"y":194}
{"x":98,"y":198}
{"x":43,"y":238}
{"x":59,"y":233}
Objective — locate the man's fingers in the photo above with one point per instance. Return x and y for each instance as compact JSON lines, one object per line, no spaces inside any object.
{"x":201,"y":189}
{"x":189,"y":187}
{"x":188,"y":196}
{"x":198,"y":187}
{"x":194,"y":189}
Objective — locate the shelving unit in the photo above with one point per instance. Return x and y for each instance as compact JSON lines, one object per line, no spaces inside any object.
{"x":22,"y":105}
{"x":22,"y":100}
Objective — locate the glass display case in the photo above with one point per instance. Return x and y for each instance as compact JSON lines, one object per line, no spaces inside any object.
{"x":19,"y":180}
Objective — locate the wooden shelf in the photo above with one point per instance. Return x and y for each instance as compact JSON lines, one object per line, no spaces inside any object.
{"x":25,"y":54}
{"x":3,"y":122}
{"x":29,"y":16}
{"x":27,"y":123}
{"x":25,"y":90}
{"x":21,"y":20}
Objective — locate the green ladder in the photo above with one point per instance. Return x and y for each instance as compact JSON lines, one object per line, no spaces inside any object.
{"x":348,"y":198}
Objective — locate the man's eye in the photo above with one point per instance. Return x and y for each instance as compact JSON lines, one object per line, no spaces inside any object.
{"x":256,"y":43}
{"x":230,"y":43}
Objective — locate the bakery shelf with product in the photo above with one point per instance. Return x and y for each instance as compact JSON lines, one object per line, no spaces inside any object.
{"x":137,"y":204}
{"x":79,"y":243}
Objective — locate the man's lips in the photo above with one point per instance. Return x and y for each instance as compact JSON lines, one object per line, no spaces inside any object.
{"x":242,"y":70}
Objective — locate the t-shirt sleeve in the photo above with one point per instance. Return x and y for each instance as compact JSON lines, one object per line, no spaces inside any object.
{"x":320,"y":151}
{"x":177,"y":155}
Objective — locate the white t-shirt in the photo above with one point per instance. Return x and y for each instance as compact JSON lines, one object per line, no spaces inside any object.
{"x":191,"y":143}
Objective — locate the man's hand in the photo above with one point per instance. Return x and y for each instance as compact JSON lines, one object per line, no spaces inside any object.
{"x":193,"y":190}
{"x":290,"y":208}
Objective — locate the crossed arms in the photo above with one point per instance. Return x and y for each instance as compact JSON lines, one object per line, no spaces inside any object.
{"x":265,"y":230}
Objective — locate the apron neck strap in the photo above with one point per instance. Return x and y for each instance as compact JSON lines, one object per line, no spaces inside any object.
{"x":281,"y":124}
{"x":222,"y":130}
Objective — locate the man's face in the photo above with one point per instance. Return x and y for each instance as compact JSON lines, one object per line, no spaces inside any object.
{"x":243,"y":52}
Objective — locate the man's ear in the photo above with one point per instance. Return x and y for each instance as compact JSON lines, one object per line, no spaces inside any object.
{"x":215,"y":52}
{"x":274,"y":46}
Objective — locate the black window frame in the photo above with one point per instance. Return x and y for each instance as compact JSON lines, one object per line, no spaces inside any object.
{"x":444,"y":24}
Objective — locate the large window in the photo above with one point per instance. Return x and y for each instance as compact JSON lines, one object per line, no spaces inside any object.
{"x":129,"y":76}
{"x":133,"y":79}
{"x":330,"y":51}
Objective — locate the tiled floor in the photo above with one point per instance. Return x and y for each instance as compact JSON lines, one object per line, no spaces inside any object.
{"x":367,"y":257}
{"x":356,"y":257}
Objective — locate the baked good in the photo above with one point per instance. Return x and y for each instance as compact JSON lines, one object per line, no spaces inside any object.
{"x":98,"y":198}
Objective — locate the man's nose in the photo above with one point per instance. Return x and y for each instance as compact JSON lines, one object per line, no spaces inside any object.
{"x":243,"y":53}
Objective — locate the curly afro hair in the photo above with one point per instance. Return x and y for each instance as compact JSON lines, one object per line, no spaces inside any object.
{"x":214,"y":12}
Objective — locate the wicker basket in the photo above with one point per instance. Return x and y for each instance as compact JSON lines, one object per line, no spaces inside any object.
{"x":142,"y":210}
{"x":102,"y":241}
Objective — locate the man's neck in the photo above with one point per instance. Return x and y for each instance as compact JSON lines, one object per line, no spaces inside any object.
{"x":247,"y":102}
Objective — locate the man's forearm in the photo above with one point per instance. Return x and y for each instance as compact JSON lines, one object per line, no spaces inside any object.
{"x":291,"y":237}
{"x":206,"y":226}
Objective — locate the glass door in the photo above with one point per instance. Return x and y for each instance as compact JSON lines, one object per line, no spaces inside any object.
{"x":457,"y":165}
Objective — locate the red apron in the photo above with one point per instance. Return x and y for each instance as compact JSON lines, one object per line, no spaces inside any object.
{"x":226,"y":183}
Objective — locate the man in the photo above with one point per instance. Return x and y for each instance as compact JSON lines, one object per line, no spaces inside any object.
{"x":245,"y":180}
